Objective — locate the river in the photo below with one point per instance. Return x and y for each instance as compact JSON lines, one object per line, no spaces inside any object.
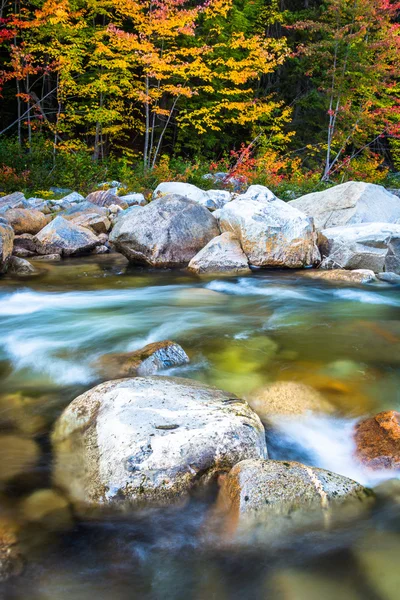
{"x":240,"y":333}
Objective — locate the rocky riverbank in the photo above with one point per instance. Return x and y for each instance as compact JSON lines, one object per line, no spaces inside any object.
{"x":350,"y":227}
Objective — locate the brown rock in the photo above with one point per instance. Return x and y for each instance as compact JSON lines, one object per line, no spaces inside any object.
{"x":24,"y":220}
{"x":11,"y":561}
{"x":106,"y":198}
{"x":6,"y":244}
{"x":95,"y":222}
{"x":287,"y":398}
{"x":147,"y":361}
{"x":18,"y":455}
{"x":378,"y":440}
{"x":49,"y":508}
{"x":341,"y":275}
{"x":20,"y":266}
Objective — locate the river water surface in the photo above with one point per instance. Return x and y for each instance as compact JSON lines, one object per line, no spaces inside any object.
{"x":240,"y":333}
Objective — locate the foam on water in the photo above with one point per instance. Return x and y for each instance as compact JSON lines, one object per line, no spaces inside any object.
{"x":329,"y":444}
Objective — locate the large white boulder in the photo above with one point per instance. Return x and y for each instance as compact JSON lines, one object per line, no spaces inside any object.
{"x":271,"y":233}
{"x":257,"y":192}
{"x":350,"y":203}
{"x":372,"y":246}
{"x":150,"y":440}
{"x":168,"y":232}
{"x":223,"y":254}
{"x":211,"y":199}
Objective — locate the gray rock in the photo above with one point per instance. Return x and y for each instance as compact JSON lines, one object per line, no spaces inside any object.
{"x":268,"y":496}
{"x":63,"y":237}
{"x":150,"y":440}
{"x":335,"y":276}
{"x":6,"y":244}
{"x":271,"y":233}
{"x":168,"y":232}
{"x":350,"y":203}
{"x":93,"y":221}
{"x":60,"y":190}
{"x":73,"y":197}
{"x":84,"y":208}
{"x":257,"y":192}
{"x":44,"y":206}
{"x":211,"y":199}
{"x":364,"y":246}
{"x":20,"y":266}
{"x":134,"y":199}
{"x":101,"y":249}
{"x":48,"y":258}
{"x":146,"y":361}
{"x":223,"y":254}
{"x":389,"y":277}
{"x":26,"y":241}
{"x":11,"y":200}
{"x":23,"y":253}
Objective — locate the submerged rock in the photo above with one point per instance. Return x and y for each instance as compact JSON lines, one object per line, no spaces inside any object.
{"x":18,"y":455}
{"x":63,"y":237}
{"x":223,"y":254}
{"x":389,"y":277}
{"x":364,"y":246}
{"x":271,"y":233}
{"x":146,"y":361}
{"x":49,"y":508}
{"x":168,"y":232}
{"x":378,"y":440}
{"x":341,"y":275}
{"x":150,"y":440}
{"x":261,"y":497}
{"x":287,"y":398}
{"x":11,"y":559}
{"x":350,"y":203}
{"x":20,"y":266}
{"x":6,"y":244}
{"x":24,"y":220}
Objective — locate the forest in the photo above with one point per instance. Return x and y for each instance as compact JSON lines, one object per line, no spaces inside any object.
{"x":292,"y":94}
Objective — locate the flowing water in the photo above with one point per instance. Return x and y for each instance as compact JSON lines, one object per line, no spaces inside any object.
{"x":240,"y":333}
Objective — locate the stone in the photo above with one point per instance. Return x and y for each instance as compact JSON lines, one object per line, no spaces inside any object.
{"x":49,"y":508}
{"x":287,"y":398}
{"x":93,"y":221}
{"x":63,"y":237}
{"x":84,"y":208}
{"x":223,"y":254}
{"x":134,"y":199}
{"x":274,"y":497}
{"x":44,"y":206}
{"x":11,"y":199}
{"x":11,"y":560}
{"x":73,"y":197}
{"x":168,"y":232}
{"x":364,"y":246}
{"x":18,"y":455}
{"x":376,"y":557}
{"x":392,"y":259}
{"x":25,"y":241}
{"x":23,"y":253}
{"x":378,"y":440}
{"x":103,"y":239}
{"x":389,"y":277}
{"x":149,"y":440}
{"x":6,"y":244}
{"x":60,"y":190}
{"x":20,"y":266}
{"x":24,"y":413}
{"x":146,"y":361}
{"x":106,"y":198}
{"x":24,"y":220}
{"x":47,"y":258}
{"x":211,"y":199}
{"x":257,"y":192}
{"x":350,"y":203}
{"x":101,"y":250}
{"x":298,"y":584}
{"x":341,"y":275}
{"x":271,"y":233}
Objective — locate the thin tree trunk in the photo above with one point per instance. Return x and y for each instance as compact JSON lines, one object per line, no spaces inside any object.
{"x":146,"y":158}
{"x":163,"y":132}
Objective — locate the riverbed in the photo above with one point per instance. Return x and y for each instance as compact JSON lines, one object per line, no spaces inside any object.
{"x":241,"y":334}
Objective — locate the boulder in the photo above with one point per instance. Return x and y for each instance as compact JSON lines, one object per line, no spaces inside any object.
{"x":84,"y":208}
{"x":6,"y":244}
{"x":101,"y":250}
{"x":44,"y":206}
{"x":20,"y":266}
{"x":223,"y":254}
{"x":350,"y":203}
{"x":287,"y":398}
{"x":211,"y":199}
{"x":11,"y":199}
{"x":106,"y":198}
{"x":269,"y":496}
{"x":378,"y":440}
{"x":73,"y":197}
{"x":63,"y":237}
{"x":93,"y":221}
{"x":168,"y":232}
{"x":149,"y":440}
{"x":364,"y":246}
{"x":47,"y":258}
{"x":341,"y":275}
{"x":146,"y":361}
{"x":389,"y":277}
{"x":134,"y":199}
{"x":271,"y":233}
{"x":257,"y":192}
{"x":24,"y":220}
{"x":26,"y":241}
